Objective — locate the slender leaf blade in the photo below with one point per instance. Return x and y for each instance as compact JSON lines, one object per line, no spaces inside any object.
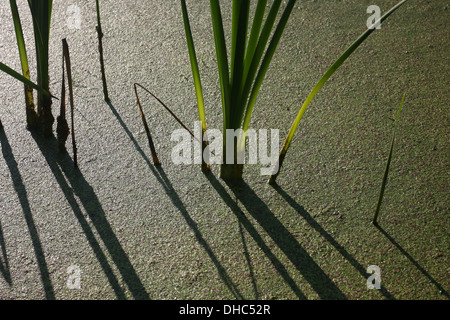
{"x":254,"y":34}
{"x":333,"y":69}
{"x":388,"y":164}
{"x":194,"y":66}
{"x":251,"y":67}
{"x":29,"y":99}
{"x":222,"y":60}
{"x":20,"y":40}
{"x":240,"y":23}
{"x":23,"y":79}
{"x":41,"y":14}
{"x":266,"y":62}
{"x":323,"y":80}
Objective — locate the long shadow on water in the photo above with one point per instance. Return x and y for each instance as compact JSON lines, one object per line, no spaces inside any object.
{"x":76,"y":185}
{"x":414,"y":262}
{"x":162,"y":178}
{"x":21,"y":191}
{"x":249,"y":262}
{"x":4,"y":264}
{"x":316,"y":226}
{"x":246,"y":223}
{"x":310,"y":271}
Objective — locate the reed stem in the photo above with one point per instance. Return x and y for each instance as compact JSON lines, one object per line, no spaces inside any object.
{"x":69,"y":80}
{"x":100,"y":49}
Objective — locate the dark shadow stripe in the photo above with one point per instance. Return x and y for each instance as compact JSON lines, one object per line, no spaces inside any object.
{"x":21,"y":191}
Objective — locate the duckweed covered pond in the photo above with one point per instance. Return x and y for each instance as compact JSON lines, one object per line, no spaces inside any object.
{"x":136,"y":231}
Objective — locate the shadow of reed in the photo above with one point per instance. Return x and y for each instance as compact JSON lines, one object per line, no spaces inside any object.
{"x":21,"y":191}
{"x":76,"y":187}
{"x":164,"y":181}
{"x":331,"y":290}
{"x":246,"y":223}
{"x":323,"y":233}
{"x":414,"y":262}
{"x":298,"y":256}
{"x":4,"y":264}
{"x":249,"y":262}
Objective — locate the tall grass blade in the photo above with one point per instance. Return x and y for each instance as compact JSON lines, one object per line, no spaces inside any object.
{"x":29,"y":100}
{"x":240,"y":15}
{"x":238,"y":42}
{"x":222,"y":60}
{"x":388,"y":163}
{"x":266,"y":62}
{"x":196,"y":77}
{"x":194,"y":66}
{"x":254,"y":34}
{"x":320,"y":84}
{"x":41,"y":15}
{"x":252,"y":65}
{"x":18,"y":76}
{"x":239,"y":23}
